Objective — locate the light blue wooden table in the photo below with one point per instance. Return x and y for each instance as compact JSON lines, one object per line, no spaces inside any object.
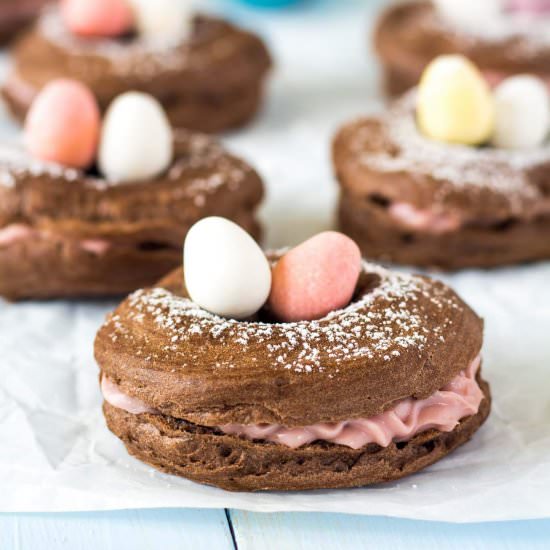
{"x":224,"y":530}
{"x":229,"y":529}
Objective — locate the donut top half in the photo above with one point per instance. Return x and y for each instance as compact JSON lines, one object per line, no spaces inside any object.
{"x":216,"y":57}
{"x":412,"y":34}
{"x":401,"y":336}
{"x":386,"y":158}
{"x":203,"y":179}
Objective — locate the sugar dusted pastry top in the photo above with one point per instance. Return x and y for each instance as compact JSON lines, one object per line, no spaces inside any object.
{"x":37,"y":192}
{"x":217,"y":54}
{"x":508,"y":45}
{"x":479,"y":182}
{"x":402,"y":336}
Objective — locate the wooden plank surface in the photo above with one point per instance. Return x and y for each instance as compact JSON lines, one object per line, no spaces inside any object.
{"x":125,"y":530}
{"x":339,"y":532}
{"x":210,"y":530}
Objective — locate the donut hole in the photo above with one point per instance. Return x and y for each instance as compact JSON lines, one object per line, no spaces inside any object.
{"x":127,"y":38}
{"x":92,"y":172}
{"x":154,"y":246}
{"x":367,"y":283}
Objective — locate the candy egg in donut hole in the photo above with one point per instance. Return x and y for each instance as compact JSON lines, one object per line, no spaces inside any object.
{"x":220,"y":386}
{"x":100,"y":18}
{"x":98,"y":207}
{"x":452,"y":175}
{"x":227,"y":274}
{"x":207,"y":73}
{"x":63,"y":125}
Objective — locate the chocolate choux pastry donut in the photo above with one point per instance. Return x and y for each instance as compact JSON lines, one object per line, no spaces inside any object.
{"x":410,"y":34}
{"x":370,"y":393}
{"x":412,"y":200}
{"x":66,"y":232}
{"x":210,"y":80}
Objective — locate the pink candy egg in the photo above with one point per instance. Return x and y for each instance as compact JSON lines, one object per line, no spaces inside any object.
{"x":97,"y":17}
{"x":315,"y":278}
{"x":63,"y":124}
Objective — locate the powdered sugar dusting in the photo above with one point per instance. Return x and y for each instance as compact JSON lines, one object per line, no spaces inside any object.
{"x":206,"y":167}
{"x":386,"y":321}
{"x":502,"y":171}
{"x":133,"y":58}
{"x":206,"y":153}
{"x":17,"y":163}
{"x":530,"y":34}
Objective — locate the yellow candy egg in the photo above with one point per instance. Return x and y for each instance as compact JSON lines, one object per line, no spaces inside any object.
{"x":454,"y":102}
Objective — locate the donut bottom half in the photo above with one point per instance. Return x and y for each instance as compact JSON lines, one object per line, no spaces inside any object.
{"x":55,"y":266}
{"x":209,"y":456}
{"x":380,"y":237}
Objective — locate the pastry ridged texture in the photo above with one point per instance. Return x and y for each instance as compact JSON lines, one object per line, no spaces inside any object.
{"x":402,"y":336}
{"x":501,"y":197}
{"x":143,"y":224}
{"x":410,"y":35}
{"x":209,"y":82}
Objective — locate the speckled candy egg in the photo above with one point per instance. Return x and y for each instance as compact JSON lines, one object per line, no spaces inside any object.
{"x":226,"y":272}
{"x":97,"y":18}
{"x":136,"y":139}
{"x":163,"y":21}
{"x":63,"y":124}
{"x":455,"y":104}
{"x":315,"y":278}
{"x":522,"y":113}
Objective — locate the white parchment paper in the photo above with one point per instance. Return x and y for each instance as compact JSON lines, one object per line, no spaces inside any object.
{"x":56,"y":453}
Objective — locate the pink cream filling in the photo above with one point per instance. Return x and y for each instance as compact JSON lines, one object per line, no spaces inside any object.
{"x":117,"y":398}
{"x":442,"y":411}
{"x":17,"y":232}
{"x":424,"y":220}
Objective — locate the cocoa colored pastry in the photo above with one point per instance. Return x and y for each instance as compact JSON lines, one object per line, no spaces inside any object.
{"x":410,"y":35}
{"x":66,"y":233}
{"x":411,"y":200}
{"x":15,"y":15}
{"x":225,"y":402}
{"x":211,"y":82}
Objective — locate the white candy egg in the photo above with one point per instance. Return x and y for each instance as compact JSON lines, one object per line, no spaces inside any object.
{"x":466,"y":13}
{"x":163,"y":21}
{"x":226,"y":272}
{"x":522,"y":113}
{"x":136,"y":139}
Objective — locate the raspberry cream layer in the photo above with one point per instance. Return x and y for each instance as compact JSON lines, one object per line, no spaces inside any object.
{"x":427,"y":220}
{"x":442,"y":411}
{"x":16,"y":233}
